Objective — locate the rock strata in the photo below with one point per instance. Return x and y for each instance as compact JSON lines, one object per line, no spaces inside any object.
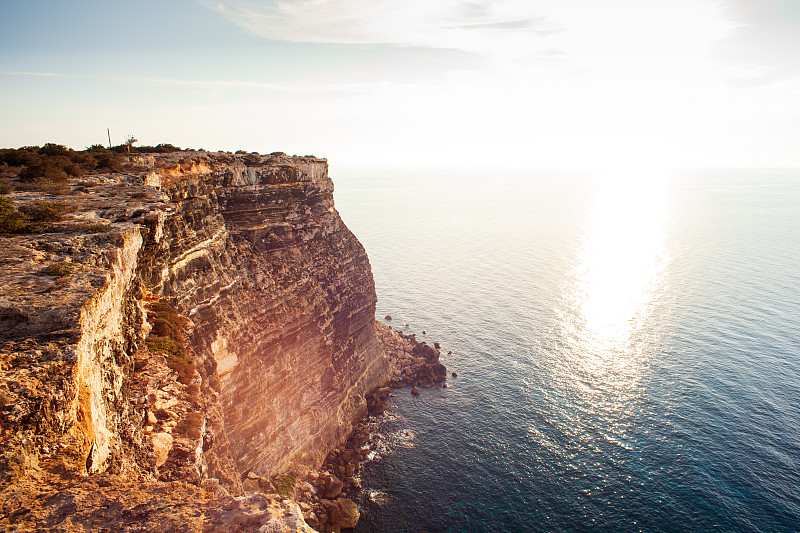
{"x":198,"y":323}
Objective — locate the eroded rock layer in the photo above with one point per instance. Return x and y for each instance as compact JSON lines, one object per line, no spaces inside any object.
{"x":214,"y":318}
{"x":282,"y":300}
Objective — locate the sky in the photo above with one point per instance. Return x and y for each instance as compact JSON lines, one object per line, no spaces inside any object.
{"x":413,"y":84}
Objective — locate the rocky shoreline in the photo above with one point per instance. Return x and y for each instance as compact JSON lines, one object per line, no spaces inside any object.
{"x":413,"y":362}
{"x":193,"y":325}
{"x":325,"y":496}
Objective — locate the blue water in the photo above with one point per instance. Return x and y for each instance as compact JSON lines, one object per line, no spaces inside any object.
{"x":627,"y":349}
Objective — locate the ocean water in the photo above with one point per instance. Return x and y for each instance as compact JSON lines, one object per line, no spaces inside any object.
{"x":627,"y":348}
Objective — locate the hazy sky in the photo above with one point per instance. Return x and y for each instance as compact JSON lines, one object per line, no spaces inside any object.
{"x":413,"y":83}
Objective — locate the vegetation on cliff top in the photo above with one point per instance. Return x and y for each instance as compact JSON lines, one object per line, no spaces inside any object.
{"x":32,"y":217}
{"x":43,"y":167}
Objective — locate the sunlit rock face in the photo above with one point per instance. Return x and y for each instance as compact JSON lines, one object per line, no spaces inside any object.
{"x":269,"y":294}
{"x":282,"y":300}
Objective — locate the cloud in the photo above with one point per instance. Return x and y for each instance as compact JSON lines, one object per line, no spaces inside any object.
{"x":488,"y":28}
{"x":763,"y":48}
{"x":40,"y":74}
{"x":587,"y":33}
{"x":289,"y":88}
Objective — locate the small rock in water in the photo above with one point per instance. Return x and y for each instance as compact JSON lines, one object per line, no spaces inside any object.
{"x":423,"y":332}
{"x":378,"y":498}
{"x":444,"y":385}
{"x":454,"y":375}
{"x":436,"y":345}
{"x":414,"y":390}
{"x":387,"y":317}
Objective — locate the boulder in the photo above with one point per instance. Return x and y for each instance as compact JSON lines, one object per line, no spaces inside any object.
{"x":251,"y":486}
{"x":414,"y":390}
{"x":430,"y":353}
{"x":332,"y":488}
{"x":382,"y":392}
{"x":162,"y":444}
{"x":378,"y":498}
{"x":334,"y":513}
{"x":348,"y":512}
{"x":311,"y":519}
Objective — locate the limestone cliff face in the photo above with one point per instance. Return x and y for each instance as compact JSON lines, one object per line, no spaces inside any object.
{"x":266,"y":294}
{"x":282,"y":300}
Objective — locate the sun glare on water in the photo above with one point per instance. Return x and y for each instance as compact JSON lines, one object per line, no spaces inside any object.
{"x":621,"y":267}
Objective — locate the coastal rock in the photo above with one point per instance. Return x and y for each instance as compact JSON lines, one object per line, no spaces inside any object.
{"x":333,"y":488}
{"x":215,"y":317}
{"x":347,"y":511}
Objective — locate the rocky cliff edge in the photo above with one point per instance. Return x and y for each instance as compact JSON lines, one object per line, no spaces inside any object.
{"x":192,"y":321}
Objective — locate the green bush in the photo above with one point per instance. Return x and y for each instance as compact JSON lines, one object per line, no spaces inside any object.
{"x":23,"y":156}
{"x":53,"y":149}
{"x":49,"y":187}
{"x":6,"y":188}
{"x":284,"y":484}
{"x":45,"y":211}
{"x":45,"y":171}
{"x":108,"y":161}
{"x":159,"y":148}
{"x":59,"y":270}
{"x":11,"y":220}
{"x":99,"y":228}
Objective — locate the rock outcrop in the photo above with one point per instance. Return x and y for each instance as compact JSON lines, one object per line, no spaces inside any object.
{"x":210,"y":316}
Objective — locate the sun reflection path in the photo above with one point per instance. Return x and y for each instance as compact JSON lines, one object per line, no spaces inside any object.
{"x":608,"y":328}
{"x":622,"y":264}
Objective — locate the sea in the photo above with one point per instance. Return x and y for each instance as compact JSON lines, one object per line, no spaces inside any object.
{"x":626,"y":344}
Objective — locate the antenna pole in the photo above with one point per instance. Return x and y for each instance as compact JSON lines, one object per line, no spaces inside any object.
{"x":109,"y":137}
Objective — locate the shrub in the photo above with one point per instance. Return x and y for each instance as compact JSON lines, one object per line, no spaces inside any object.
{"x":23,"y":156}
{"x":11,"y":220}
{"x":44,"y":211}
{"x":284,"y":484}
{"x":190,"y":425}
{"x":53,"y":149}
{"x":99,"y":228}
{"x":160,"y":148}
{"x":49,"y":187}
{"x":59,"y":270}
{"x":45,"y":171}
{"x":108,"y":161}
{"x":6,"y":188}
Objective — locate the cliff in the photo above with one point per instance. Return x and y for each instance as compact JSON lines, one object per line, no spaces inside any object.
{"x":194,"y":319}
